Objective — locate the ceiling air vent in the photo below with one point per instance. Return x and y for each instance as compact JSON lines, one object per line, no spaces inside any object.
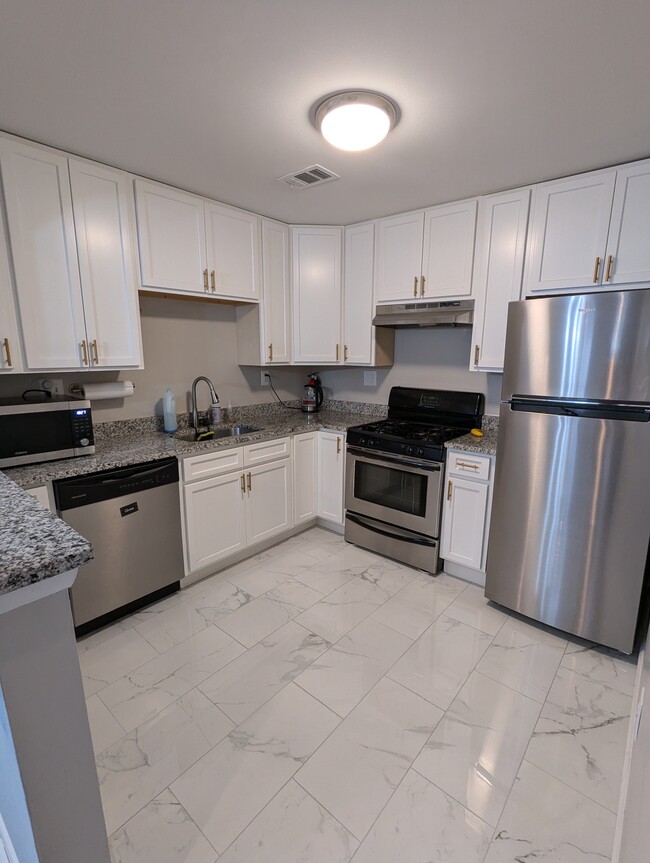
{"x":315,"y":175}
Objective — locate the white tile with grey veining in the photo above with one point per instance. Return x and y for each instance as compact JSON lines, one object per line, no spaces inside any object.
{"x":162,"y":832}
{"x":197,"y":610}
{"x":104,"y":727}
{"x":294,"y":828}
{"x":112,"y":658}
{"x":230,"y":785}
{"x":524,"y":658}
{"x":343,"y":609}
{"x":421,"y":824}
{"x":472,"y":608}
{"x":245,"y":684}
{"x":272,"y":571}
{"x":581,"y":735}
{"x":158,"y":683}
{"x":437,"y":665}
{"x":328,"y":575}
{"x":350,"y":668}
{"x":99,"y":636}
{"x":357,"y":769}
{"x":547,"y":822}
{"x":413,"y":609}
{"x":602,"y":664}
{"x":269,"y":612}
{"x":476,"y":749}
{"x":389,"y":575}
{"x":139,"y":766}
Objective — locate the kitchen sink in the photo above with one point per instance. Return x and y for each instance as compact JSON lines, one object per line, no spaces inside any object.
{"x":191,"y":436}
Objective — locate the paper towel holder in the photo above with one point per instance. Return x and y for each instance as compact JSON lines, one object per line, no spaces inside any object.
{"x":101,"y":391}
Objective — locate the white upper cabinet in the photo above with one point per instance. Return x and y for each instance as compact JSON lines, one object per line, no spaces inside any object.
{"x":628,"y":245}
{"x":316,"y":275}
{"x":102,"y":215}
{"x":398,"y":260}
{"x":358,"y":295}
{"x":171,"y":235}
{"x":498,"y":272}
{"x":448,"y":254}
{"x":192,"y":245}
{"x":10,"y":352}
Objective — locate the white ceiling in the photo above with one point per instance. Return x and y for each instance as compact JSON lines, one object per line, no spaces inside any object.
{"x":214,"y":95}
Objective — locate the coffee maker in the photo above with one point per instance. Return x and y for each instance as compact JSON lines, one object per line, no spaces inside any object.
{"x":312,"y":397}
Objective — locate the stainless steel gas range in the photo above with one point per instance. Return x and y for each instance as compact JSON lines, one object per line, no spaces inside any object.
{"x":394,"y":473}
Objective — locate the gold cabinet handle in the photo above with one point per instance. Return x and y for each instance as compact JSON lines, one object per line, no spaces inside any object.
{"x":213,"y":281}
{"x":415,"y":286}
{"x":465,"y":464}
{"x":610,"y":262}
{"x":205,"y":280}
{"x":8,"y":352}
{"x":477,"y":351}
{"x":596,"y":269}
{"x":248,"y":481}
{"x":242,"y":483}
{"x":84,"y":352}
{"x":271,"y":352}
{"x":422,"y":287}
{"x":95,"y":352}
{"x":449,"y":490}
{"x":337,"y":353}
{"x":338,"y":446}
{"x":345,"y":353}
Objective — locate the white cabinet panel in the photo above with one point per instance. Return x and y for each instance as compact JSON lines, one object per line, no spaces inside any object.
{"x":317,"y":294}
{"x":448,"y":254}
{"x":464,"y":520}
{"x":305,"y":477}
{"x":171,"y":234}
{"x":277,"y":296}
{"x":100,"y":199}
{"x":41,"y":229}
{"x":501,"y":241}
{"x":269,"y":504}
{"x":398,"y":260}
{"x":215,"y":520}
{"x":267,"y":450}
{"x":628,"y":244}
{"x":358,"y":311}
{"x":233,"y":251}
{"x":331,"y":475}
{"x":212,"y":463}
{"x":10,"y":350}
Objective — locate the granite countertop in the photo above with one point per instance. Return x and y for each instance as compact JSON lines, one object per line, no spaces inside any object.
{"x":486,"y":445}
{"x":34,"y":543}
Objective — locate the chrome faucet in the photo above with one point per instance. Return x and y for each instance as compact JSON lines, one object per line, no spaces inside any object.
{"x":213,"y":396}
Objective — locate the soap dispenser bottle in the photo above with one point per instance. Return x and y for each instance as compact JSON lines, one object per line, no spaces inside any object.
{"x":169,"y":411}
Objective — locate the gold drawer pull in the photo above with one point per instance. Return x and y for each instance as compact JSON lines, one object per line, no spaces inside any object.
{"x":84,"y":352}
{"x":8,"y":352}
{"x":415,"y":286}
{"x":610,"y":261}
{"x":205,"y":280}
{"x":95,"y":352}
{"x":249,"y":483}
{"x":213,"y":281}
{"x":465,"y":464}
{"x":596,"y":269}
{"x":449,"y":490}
{"x":243,"y":484}
{"x":422,"y":287}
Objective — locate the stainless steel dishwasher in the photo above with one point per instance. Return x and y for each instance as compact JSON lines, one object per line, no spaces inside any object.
{"x":132,"y":517}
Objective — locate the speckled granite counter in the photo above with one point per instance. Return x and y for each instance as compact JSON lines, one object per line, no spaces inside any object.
{"x":487,"y":445}
{"x":34,"y":544}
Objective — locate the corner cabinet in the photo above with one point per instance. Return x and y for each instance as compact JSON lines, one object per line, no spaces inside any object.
{"x":331,"y":475}
{"x":466,"y":510}
{"x":10,"y":351}
{"x":191,"y":245}
{"x":69,"y":228}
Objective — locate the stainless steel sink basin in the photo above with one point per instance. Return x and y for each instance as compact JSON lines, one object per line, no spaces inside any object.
{"x":191,"y":436}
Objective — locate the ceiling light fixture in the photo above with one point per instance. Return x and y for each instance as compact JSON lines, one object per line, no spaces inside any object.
{"x":355,"y":119}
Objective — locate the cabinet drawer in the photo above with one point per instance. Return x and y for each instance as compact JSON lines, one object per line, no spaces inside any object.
{"x":212,"y":464}
{"x":467,"y":464}
{"x":267,"y":450}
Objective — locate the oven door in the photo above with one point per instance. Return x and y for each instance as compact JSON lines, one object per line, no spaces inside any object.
{"x":394,"y":489}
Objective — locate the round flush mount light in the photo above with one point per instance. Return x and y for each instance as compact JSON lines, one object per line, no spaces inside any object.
{"x":355,"y":119}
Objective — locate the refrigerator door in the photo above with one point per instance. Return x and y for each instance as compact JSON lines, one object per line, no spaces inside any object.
{"x":586,"y":346}
{"x":569,"y":532}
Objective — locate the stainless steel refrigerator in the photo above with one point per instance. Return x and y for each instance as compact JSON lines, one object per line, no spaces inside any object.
{"x":568,"y":541}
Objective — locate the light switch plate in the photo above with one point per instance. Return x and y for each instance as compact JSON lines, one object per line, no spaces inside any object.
{"x":370,"y":379}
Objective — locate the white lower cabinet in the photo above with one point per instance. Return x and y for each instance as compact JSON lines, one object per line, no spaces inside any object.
{"x":305,"y":477}
{"x":331,"y":475}
{"x":215,"y":520}
{"x":466,"y":510}
{"x":269,"y":500}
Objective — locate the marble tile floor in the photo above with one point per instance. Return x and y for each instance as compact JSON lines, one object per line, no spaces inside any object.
{"x":321,"y":704}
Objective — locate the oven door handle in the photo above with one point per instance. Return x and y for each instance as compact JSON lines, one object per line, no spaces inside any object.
{"x":355,"y":519}
{"x":401,"y":461}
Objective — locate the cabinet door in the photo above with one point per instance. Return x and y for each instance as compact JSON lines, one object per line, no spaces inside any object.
{"x":215,"y":521}
{"x":398,"y":260}
{"x":41,"y":231}
{"x":463,"y":522}
{"x":317,"y":295}
{"x":568,"y":233}
{"x":305,"y":477}
{"x":269,"y":500}
{"x":628,"y":246}
{"x":276,"y":304}
{"x":331,"y":475}
{"x":498,"y":272}
{"x":101,"y":203}
{"x":358,"y":293}
{"x":448,"y":256}
{"x":233,"y":249}
{"x":171,"y":237}
{"x":10,"y":352}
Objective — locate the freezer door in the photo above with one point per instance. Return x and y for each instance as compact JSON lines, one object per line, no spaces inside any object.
{"x":587,"y":346}
{"x":569,"y":531}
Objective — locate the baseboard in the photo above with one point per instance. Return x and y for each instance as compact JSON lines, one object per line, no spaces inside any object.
{"x":474,"y":576}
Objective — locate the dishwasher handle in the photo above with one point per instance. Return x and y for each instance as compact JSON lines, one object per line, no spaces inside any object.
{"x":115,"y":483}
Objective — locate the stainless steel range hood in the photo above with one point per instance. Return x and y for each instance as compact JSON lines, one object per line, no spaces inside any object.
{"x":459,"y":313}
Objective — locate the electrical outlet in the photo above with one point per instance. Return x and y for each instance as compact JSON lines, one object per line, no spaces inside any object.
{"x":370,"y":379}
{"x":265,"y":379}
{"x":52,"y":385}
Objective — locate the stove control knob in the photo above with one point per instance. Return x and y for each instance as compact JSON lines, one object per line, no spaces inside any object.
{"x":420,"y":451}
{"x":409,"y":450}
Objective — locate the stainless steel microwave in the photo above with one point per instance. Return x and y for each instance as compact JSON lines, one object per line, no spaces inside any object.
{"x":44,"y":430}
